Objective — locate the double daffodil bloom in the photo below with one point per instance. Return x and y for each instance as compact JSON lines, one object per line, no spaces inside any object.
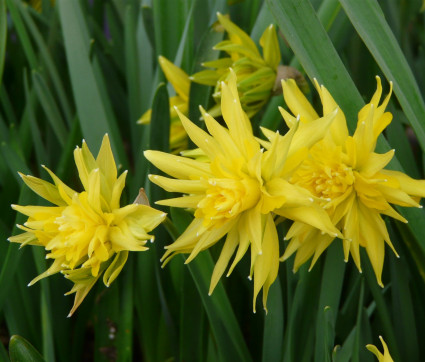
{"x":386,"y":357}
{"x":87,"y":233}
{"x":350,"y":179}
{"x":256,"y":73}
{"x":237,"y":189}
{"x":181,"y":84}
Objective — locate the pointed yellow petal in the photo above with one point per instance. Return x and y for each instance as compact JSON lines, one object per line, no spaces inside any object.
{"x":266,"y":264}
{"x":297,"y":102}
{"x":271,"y":51}
{"x":106,"y":163}
{"x":238,"y":34}
{"x":202,"y":139}
{"x":225,"y":255}
{"x":115,"y":268}
{"x":178,"y":167}
{"x":313,"y":216}
{"x":43,"y":188}
{"x":85,"y":163}
{"x":339,"y":131}
{"x":177,"y":77}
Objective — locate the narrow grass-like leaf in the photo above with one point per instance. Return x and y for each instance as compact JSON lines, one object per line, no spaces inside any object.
{"x":273,"y":324}
{"x":7,"y":106}
{"x":125,"y":326}
{"x":50,"y":108}
{"x":381,"y":307}
{"x":303,"y":309}
{"x":14,"y":160}
{"x":46,"y":310}
{"x":46,"y":57}
{"x":357,"y":338}
{"x":91,"y":110}
{"x":3,"y":35}
{"x":22,"y":33}
{"x":40,"y":151}
{"x":166,"y":16}
{"x":330,"y":294}
{"x":192,"y":326}
{"x":402,"y":305}
{"x":370,"y":23}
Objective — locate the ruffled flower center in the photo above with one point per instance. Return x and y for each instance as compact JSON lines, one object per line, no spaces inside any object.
{"x":325,"y":175}
{"x":225,"y":199}
{"x":82,"y":233}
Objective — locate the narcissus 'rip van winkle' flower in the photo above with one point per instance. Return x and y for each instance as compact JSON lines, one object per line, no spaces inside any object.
{"x":87,"y":233}
{"x":181,"y":84}
{"x":236,"y":190}
{"x":386,"y":357}
{"x":351,"y":180}
{"x":256,"y":73}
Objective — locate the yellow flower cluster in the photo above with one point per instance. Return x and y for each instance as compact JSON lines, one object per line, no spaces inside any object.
{"x":86,"y":233}
{"x":329,"y":183}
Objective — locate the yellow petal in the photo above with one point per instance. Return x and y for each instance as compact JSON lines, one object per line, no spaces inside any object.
{"x":178,"y":167}
{"x":115,"y":268}
{"x":339,"y":131}
{"x":106,"y":163}
{"x":177,"y":77}
{"x":297,"y":102}
{"x":266,"y":264}
{"x":238,"y":34}
{"x":313,"y":216}
{"x":224,"y":258}
{"x":202,"y":139}
{"x":175,"y":185}
{"x":85,"y":163}
{"x":271,"y":51}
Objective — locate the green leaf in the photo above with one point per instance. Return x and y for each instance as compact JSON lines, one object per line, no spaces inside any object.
{"x":21,"y":350}
{"x":92,"y":112}
{"x":273,"y":324}
{"x":50,"y":108}
{"x":369,"y":21}
{"x":330,"y":295}
{"x":46,"y":58}
{"x":22,"y":33}
{"x":3,"y":35}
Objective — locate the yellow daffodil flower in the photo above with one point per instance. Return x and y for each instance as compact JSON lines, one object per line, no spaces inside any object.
{"x":350,"y":179}
{"x":237,"y":189}
{"x":386,"y":357}
{"x":181,"y":84}
{"x":87,"y":233}
{"x":256,"y":73}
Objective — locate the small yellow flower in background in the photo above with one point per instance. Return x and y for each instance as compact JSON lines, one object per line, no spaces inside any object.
{"x":234,"y":189}
{"x":256,"y":73}
{"x":350,"y":179}
{"x":386,"y":357}
{"x":86,"y":233}
{"x":181,"y":84}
